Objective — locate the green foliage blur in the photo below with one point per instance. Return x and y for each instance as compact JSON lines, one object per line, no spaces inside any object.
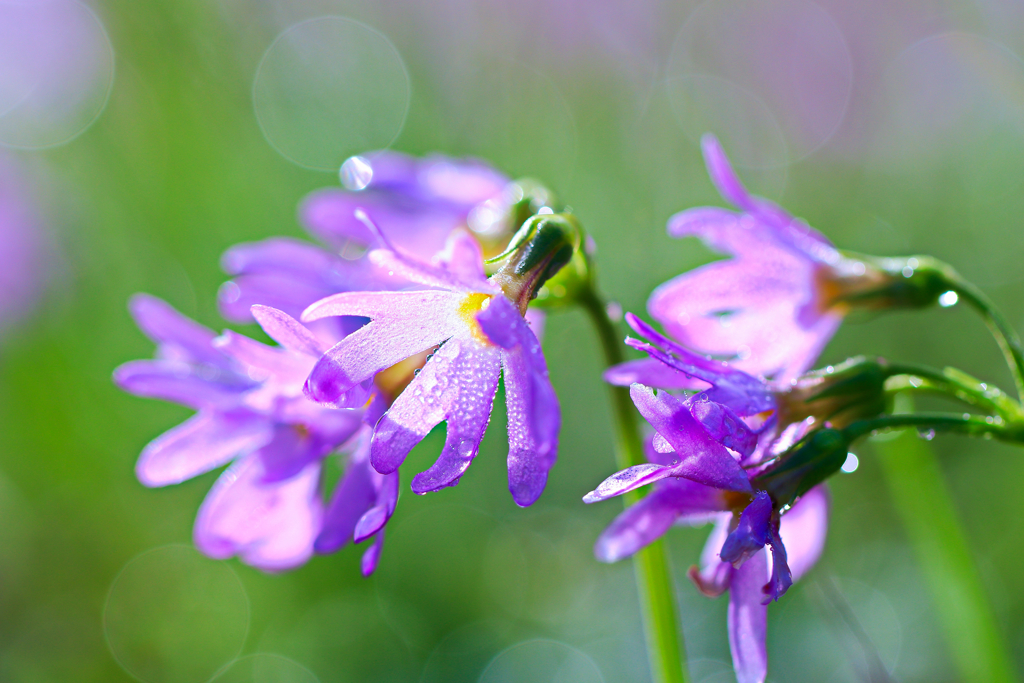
{"x":177,"y":169}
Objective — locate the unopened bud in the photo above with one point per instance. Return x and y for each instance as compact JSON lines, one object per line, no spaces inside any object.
{"x":873,"y":283}
{"x":839,"y":394}
{"x":542,"y":247}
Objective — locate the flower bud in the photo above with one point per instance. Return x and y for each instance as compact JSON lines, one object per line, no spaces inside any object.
{"x":839,"y":394}
{"x":873,"y":283}
{"x":542,"y":247}
{"x":811,"y":461}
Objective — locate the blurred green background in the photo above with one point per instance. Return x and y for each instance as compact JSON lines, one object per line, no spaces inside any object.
{"x":893,"y":127}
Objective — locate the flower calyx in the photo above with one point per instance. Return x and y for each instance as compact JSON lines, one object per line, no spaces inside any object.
{"x":544,"y":245}
{"x":873,"y":283}
{"x":811,"y":461}
{"x":840,"y":394}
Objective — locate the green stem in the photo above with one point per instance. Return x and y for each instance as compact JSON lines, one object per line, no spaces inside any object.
{"x":970,"y":425}
{"x":1005,"y":335}
{"x":927,"y":511}
{"x":654,"y":580}
{"x":952,"y":383}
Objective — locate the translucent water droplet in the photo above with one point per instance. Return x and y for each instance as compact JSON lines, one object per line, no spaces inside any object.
{"x":926,"y":434}
{"x":356,"y":173}
{"x":947,"y":299}
{"x":851,"y":464}
{"x":466,"y":449}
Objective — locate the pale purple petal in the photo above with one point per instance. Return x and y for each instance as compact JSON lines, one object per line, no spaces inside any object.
{"x":462,"y":257}
{"x":752,"y":532}
{"x":294,"y":446}
{"x":713,"y":576}
{"x":180,"y":383}
{"x":803,"y":530}
{"x":722,"y":175}
{"x":179,"y":337}
{"x":647,"y":520}
{"x":405,"y":323}
{"x":748,"y":619}
{"x":653,"y":373}
{"x":500,"y":322}
{"x":627,"y":480}
{"x":374,"y":519}
{"x":287,"y":331}
{"x":458,"y":384}
{"x":261,"y":360}
{"x":536,"y":318}
{"x":534,"y":417}
{"x":200,"y":444}
{"x":701,"y":458}
{"x":271,"y":526}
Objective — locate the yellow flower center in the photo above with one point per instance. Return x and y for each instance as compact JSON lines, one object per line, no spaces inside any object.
{"x":470,"y":306}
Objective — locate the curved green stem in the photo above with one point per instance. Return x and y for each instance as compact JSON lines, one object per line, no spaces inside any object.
{"x":1005,"y":335}
{"x":654,"y":580}
{"x":953,"y":383}
{"x":970,"y":425}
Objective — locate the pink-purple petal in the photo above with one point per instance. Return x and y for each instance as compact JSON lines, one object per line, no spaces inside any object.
{"x":287,"y":331}
{"x":751,"y":533}
{"x":180,"y":337}
{"x":368,"y":563}
{"x":627,"y":480}
{"x":201,"y":443}
{"x":713,"y":576}
{"x":653,"y":373}
{"x":178,"y":382}
{"x":747,"y":620}
{"x":271,"y":526}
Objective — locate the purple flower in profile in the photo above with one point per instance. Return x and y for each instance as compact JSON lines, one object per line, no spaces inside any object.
{"x":710,"y":459}
{"x":266,"y":507}
{"x":479,"y":334}
{"x":419,"y":201}
{"x":771,"y":306}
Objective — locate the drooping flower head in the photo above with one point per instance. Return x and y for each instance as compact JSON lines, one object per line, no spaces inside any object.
{"x":267,"y":506}
{"x":477,"y":327}
{"x":773,"y":306}
{"x":714,"y":457}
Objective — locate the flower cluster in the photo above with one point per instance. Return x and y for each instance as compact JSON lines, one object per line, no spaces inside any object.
{"x":399,"y":338}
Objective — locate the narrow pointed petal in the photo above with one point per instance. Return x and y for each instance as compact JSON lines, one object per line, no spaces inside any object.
{"x":748,"y":619}
{"x":200,"y":444}
{"x":263,"y":361}
{"x":374,"y":519}
{"x":647,"y":520}
{"x":627,"y":480}
{"x":179,"y":383}
{"x":463,"y":258}
{"x":701,"y":458}
{"x":271,"y":526}
{"x":723,"y":425}
{"x":803,"y":529}
{"x":352,"y":497}
{"x":781,"y":577}
{"x":534,"y":417}
{"x":371,"y":557}
{"x":164,"y":325}
{"x":714,"y":575}
{"x":465,"y":379}
{"x":287,"y":331}
{"x":652,"y":373}
{"x":404,"y":267}
{"x":752,"y":532}
{"x":722,"y":175}
{"x":415,"y":322}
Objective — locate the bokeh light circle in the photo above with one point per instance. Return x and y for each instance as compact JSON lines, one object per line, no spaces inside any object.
{"x":790,"y":54}
{"x":265,"y":668}
{"x":944,"y":87}
{"x":175,"y":616}
{"x":56,"y":72}
{"x":328,"y":88}
{"x":542,"y":661}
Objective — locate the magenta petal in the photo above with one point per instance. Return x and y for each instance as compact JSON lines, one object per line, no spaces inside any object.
{"x":269,"y":526}
{"x":722,"y":175}
{"x":803,"y":529}
{"x":464,"y":380}
{"x":200,"y":444}
{"x":500,"y":321}
{"x":651,"y":372}
{"x":371,"y":557}
{"x":534,"y":417}
{"x":748,"y":620}
{"x":702,"y":459}
{"x":404,"y":324}
{"x":627,"y":480}
{"x":164,"y":325}
{"x":287,"y":331}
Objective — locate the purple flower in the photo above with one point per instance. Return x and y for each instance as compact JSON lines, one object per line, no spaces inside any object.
{"x":266,"y":507}
{"x":419,"y":201}
{"x":770,"y":306}
{"x":715,"y":456}
{"x":479,"y":335}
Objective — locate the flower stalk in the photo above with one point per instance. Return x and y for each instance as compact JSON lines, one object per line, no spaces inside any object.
{"x":665,"y":647}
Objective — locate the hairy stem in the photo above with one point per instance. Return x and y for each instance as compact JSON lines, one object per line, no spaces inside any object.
{"x":654,"y":580}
